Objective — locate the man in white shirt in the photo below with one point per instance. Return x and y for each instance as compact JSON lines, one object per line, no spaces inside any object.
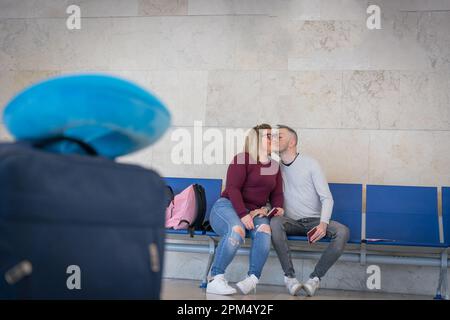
{"x":308,"y":203}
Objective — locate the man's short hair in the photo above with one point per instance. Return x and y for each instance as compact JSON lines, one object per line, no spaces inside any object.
{"x":282,"y":126}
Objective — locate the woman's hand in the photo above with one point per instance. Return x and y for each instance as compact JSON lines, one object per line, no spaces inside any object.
{"x":247,"y":220}
{"x":261,"y":212}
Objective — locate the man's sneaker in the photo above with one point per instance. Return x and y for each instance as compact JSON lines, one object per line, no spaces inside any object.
{"x":311,"y":286}
{"x":248,"y":284}
{"x":219,"y":286}
{"x":292,"y":285}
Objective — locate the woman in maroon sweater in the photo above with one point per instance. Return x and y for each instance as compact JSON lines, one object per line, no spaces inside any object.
{"x":253,"y":181}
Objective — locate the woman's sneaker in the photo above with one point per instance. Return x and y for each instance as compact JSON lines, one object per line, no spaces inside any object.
{"x":311,"y":286}
{"x":219,"y":286}
{"x":292,"y":285}
{"x":248,"y":284}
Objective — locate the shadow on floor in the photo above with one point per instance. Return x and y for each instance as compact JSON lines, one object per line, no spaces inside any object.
{"x":176,"y":289}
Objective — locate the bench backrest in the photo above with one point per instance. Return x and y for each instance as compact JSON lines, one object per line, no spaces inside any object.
{"x":402,"y":213}
{"x":347,"y":208}
{"x":446,"y":213}
{"x":213,"y":188}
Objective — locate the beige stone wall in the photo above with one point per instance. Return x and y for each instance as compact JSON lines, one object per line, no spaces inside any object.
{"x":373,"y":106}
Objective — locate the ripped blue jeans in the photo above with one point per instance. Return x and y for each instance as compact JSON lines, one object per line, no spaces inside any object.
{"x":224,"y":221}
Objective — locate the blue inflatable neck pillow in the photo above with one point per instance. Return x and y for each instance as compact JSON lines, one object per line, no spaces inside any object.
{"x":112,"y":115}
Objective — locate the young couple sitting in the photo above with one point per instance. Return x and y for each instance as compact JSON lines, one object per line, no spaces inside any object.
{"x":299,"y":191}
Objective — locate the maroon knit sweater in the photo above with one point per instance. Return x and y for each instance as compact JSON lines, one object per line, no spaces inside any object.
{"x":248,"y":189}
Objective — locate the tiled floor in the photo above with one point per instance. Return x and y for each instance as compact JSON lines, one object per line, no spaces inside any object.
{"x":174,"y":289}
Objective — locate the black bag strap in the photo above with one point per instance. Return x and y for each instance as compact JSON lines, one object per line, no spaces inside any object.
{"x":191,"y":231}
{"x":206,"y":226}
{"x":184,"y":221}
{"x":169,"y":194}
{"x":42,"y":143}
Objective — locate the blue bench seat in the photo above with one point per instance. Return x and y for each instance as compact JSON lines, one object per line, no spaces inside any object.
{"x":184,"y":231}
{"x":402,"y":216}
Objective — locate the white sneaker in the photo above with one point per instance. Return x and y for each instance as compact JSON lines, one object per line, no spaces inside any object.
{"x":248,"y":284}
{"x":219,"y":286}
{"x":311,"y":286}
{"x":292,"y":285}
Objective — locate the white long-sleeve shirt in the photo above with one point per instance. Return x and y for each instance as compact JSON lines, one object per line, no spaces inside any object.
{"x":306,"y":191}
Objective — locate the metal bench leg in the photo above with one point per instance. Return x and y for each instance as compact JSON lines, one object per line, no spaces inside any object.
{"x":212,"y":252}
{"x":445,"y":287}
{"x":438,"y":295}
{"x":442,"y":289}
{"x":445,"y":293}
{"x":363,"y":254}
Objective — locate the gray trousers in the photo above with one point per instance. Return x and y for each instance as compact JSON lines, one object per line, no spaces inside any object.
{"x":284,"y":226}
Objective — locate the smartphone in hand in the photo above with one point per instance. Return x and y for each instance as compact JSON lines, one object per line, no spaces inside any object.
{"x":311,"y":233}
{"x":272,"y":212}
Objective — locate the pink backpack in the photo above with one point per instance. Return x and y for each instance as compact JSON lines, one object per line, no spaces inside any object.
{"x":182,"y":211}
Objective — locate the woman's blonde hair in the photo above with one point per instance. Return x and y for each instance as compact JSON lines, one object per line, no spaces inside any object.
{"x":253,"y":140}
